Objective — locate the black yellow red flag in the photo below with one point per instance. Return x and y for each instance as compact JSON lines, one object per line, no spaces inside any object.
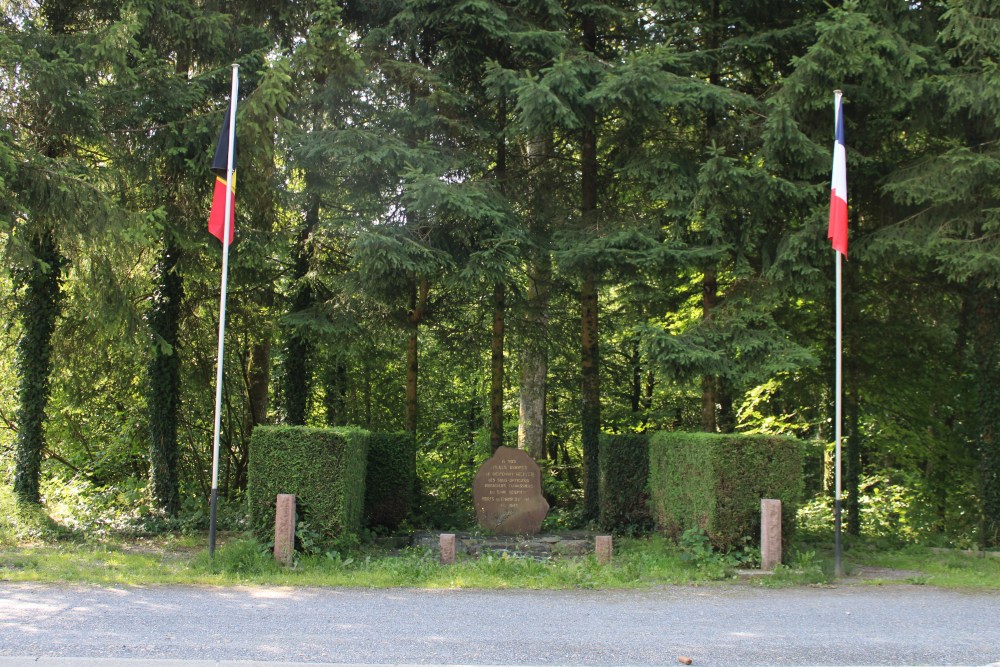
{"x":220,"y":165}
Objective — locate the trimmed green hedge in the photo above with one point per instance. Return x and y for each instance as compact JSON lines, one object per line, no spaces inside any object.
{"x":323,"y":467}
{"x":392,"y":468}
{"x":716,"y":482}
{"x":624,"y":471}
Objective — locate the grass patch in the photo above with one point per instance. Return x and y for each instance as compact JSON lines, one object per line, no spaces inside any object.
{"x":22,"y":523}
{"x":169,"y":559}
{"x":638,"y":563}
{"x":33,"y":547}
{"x":949,"y":569}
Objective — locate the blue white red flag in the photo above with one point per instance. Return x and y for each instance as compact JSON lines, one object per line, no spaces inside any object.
{"x":837,"y":231}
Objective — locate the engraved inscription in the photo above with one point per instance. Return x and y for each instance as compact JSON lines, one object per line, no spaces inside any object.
{"x":508,"y":494}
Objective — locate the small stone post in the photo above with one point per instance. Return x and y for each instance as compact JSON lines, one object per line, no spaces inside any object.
{"x":603,"y":549}
{"x":447,"y":543}
{"x":770,"y":533}
{"x":284,"y":528}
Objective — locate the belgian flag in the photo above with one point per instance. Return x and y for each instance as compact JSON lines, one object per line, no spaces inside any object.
{"x":220,"y":164}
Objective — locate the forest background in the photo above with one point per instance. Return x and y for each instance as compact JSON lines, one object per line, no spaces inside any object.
{"x":486,"y":223}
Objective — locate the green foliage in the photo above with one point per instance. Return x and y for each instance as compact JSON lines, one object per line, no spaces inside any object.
{"x":624,"y":477}
{"x":21,"y":522}
{"x":389,"y":146}
{"x":715,"y":482}
{"x":697,"y":549}
{"x":239,"y":560}
{"x":323,"y":467}
{"x":392,"y":470}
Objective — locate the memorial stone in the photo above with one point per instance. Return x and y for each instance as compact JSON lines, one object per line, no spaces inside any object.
{"x":507,"y":493}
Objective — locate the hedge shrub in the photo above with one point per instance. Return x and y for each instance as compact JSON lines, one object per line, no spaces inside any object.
{"x":716,"y":482}
{"x":392,"y":468}
{"x":323,"y":467}
{"x":624,"y":472}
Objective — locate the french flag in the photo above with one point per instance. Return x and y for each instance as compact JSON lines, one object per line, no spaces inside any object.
{"x":837,"y":231}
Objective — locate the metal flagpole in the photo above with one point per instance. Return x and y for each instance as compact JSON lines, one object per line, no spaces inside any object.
{"x":838,"y":411}
{"x":214,"y":502}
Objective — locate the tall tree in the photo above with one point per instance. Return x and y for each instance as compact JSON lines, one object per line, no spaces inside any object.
{"x":51,"y":109}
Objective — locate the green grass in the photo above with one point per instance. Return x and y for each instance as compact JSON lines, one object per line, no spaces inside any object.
{"x":169,"y":560}
{"x":638,"y":563}
{"x":33,"y":547}
{"x":923,"y":566}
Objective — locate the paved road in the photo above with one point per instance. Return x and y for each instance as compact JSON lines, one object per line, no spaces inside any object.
{"x":891,"y":625}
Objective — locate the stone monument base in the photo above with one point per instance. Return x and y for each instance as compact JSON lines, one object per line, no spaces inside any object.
{"x":541,"y":547}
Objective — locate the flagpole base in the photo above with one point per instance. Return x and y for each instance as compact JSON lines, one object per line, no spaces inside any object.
{"x":212,"y":512}
{"x":838,"y":570}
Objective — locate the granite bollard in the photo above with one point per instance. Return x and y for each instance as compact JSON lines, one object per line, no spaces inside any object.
{"x":447,"y":543}
{"x":770,"y":533}
{"x":603,"y":549}
{"x":284,"y":528}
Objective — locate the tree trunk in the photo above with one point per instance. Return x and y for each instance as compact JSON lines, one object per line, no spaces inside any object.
{"x":591,"y":395}
{"x":725,"y":420}
{"x":635,"y":388}
{"x":418,"y":300}
{"x":38,"y":312}
{"x":590,"y":355}
{"x":709,"y":383}
{"x":533,"y":387}
{"x":531,"y":428}
{"x":852,"y":472}
{"x":335,"y":394}
{"x":164,"y":383}
{"x":298,"y":375}
{"x":647,"y":399}
{"x":259,"y":381}
{"x":496,"y":374}
{"x":987,"y":357}
{"x":499,"y":306}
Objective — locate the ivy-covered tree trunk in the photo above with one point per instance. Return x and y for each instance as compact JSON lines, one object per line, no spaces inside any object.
{"x":38,"y":309}
{"x":987,"y":358}
{"x":164,"y":382}
{"x":496,"y":368}
{"x":298,"y":348}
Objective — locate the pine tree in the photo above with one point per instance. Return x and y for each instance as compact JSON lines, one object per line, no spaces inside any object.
{"x":57,"y":51}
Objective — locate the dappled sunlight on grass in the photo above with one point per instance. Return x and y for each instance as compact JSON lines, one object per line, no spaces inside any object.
{"x":637,"y":563}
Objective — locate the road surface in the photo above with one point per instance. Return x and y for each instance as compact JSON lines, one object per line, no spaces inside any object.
{"x":713,"y":625}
